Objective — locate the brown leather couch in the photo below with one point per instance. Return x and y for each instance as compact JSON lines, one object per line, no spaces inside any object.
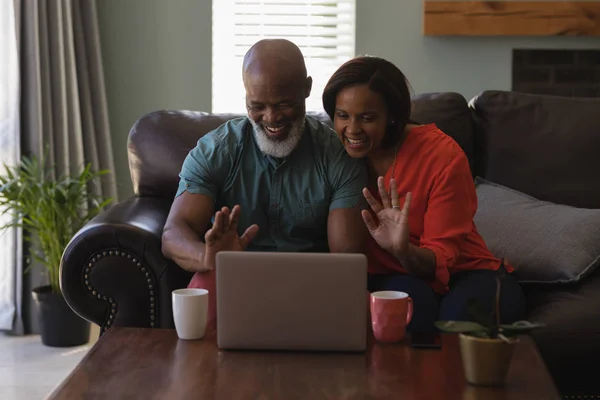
{"x":114,"y":274}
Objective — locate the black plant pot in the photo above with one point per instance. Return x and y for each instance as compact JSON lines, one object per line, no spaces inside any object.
{"x":60,"y":326}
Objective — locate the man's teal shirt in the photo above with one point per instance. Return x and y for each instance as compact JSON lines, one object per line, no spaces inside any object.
{"x":289,"y":199}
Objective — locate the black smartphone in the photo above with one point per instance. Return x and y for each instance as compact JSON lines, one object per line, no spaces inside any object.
{"x":426,"y":340}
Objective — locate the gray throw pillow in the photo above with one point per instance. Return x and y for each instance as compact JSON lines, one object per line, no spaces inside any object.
{"x":545,"y":242}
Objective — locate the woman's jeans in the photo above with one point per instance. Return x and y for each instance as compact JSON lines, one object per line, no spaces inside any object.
{"x":478,"y":284}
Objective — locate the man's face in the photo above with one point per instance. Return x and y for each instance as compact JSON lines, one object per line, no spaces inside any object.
{"x":276,"y":107}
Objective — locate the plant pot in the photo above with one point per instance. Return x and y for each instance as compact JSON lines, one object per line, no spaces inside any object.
{"x":485,"y":361}
{"x":60,"y":326}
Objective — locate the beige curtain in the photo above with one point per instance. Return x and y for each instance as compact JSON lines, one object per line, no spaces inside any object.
{"x":63,"y":99}
{"x":62,"y":94}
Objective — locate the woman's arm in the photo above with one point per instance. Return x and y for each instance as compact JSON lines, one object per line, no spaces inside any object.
{"x":449,"y":217}
{"x":389,"y":227}
{"x":418,"y":261}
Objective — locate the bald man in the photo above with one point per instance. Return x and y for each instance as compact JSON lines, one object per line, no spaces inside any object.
{"x":276,"y":180}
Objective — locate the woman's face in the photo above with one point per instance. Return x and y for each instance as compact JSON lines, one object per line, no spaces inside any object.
{"x":360,"y":120}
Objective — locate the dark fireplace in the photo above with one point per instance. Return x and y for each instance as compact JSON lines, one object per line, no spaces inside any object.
{"x":572,"y":73}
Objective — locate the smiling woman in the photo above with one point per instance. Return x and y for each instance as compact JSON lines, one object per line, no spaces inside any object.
{"x":422,"y":197}
{"x":10,"y":260}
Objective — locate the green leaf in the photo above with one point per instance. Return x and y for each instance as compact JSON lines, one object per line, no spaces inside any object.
{"x":49,"y":210}
{"x":519,"y":327}
{"x":459,"y":326}
{"x":522,"y":325}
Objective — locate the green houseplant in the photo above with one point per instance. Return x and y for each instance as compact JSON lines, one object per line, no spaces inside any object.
{"x":50,"y":211}
{"x":486,"y":345}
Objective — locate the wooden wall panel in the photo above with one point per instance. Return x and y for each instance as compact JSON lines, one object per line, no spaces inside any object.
{"x":520,"y":18}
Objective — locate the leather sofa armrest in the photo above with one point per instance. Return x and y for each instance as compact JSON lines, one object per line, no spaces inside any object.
{"x":113,"y":272}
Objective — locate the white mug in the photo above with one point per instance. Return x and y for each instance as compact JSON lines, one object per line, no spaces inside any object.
{"x":190,"y":312}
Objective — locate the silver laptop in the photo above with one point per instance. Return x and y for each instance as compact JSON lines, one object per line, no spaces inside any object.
{"x":291,"y":301}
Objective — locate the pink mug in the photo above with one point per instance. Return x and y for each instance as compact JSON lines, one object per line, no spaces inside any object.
{"x":391,"y":312}
{"x":207,"y":280}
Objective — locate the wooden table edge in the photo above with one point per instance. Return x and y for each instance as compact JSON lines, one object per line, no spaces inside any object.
{"x":60,"y":387}
{"x":56,"y":393}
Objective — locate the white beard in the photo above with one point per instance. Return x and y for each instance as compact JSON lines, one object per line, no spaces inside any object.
{"x":278,"y":148}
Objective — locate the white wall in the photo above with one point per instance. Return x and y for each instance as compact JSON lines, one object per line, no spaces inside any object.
{"x":392,"y":29}
{"x":157,"y":55}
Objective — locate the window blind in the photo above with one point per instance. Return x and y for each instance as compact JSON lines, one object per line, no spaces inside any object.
{"x":324,"y":31}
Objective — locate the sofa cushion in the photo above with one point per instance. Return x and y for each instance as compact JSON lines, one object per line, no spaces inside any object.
{"x":545,"y":242}
{"x":450,"y":112}
{"x":159,"y":141}
{"x":570,"y":341}
{"x":544,"y":146}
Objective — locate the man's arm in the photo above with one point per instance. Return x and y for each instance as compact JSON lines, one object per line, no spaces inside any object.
{"x":203,"y":172}
{"x":182,"y":238}
{"x":346,"y":231}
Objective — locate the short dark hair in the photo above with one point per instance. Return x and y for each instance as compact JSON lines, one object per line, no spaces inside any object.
{"x":381,"y":76}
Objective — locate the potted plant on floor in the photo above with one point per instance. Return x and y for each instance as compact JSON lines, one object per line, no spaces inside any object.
{"x":486,"y":345}
{"x":50,"y":211}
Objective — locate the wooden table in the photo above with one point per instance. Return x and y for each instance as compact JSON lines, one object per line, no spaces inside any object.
{"x":133,"y":363}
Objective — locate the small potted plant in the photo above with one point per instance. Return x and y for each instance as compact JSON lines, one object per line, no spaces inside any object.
{"x":486,"y":345}
{"x":50,"y":211}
